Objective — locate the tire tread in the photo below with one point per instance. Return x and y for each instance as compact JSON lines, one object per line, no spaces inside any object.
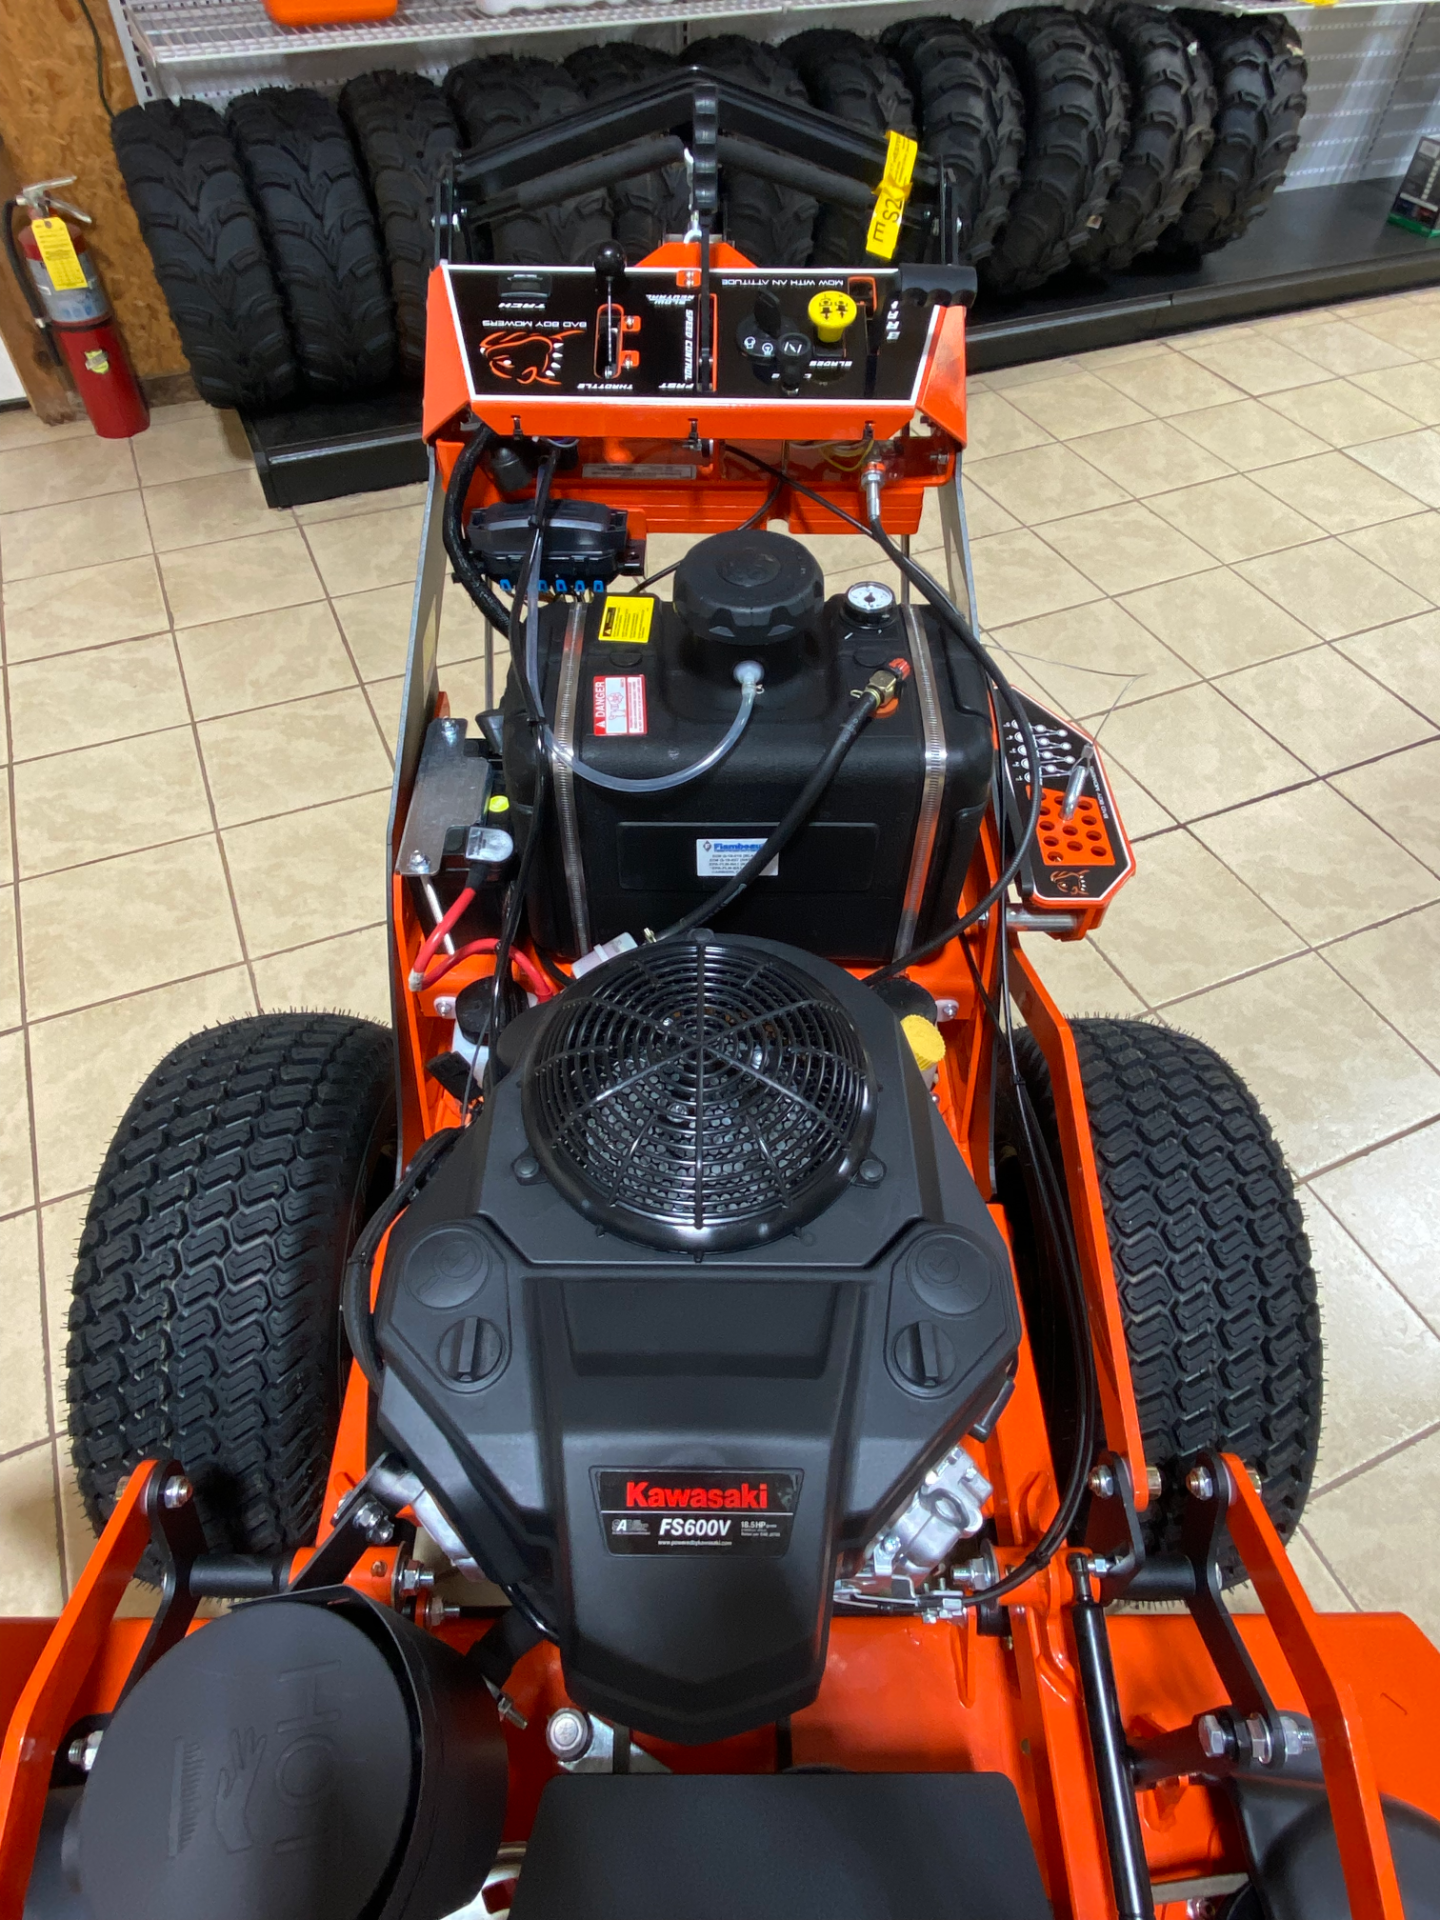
{"x":205,"y":1312}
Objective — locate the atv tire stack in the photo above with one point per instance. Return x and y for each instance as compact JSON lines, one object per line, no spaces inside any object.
{"x":497,"y":99}
{"x":1172,"y":114}
{"x":857,"y":82}
{"x":650,"y":205}
{"x":305,"y":180}
{"x":406,"y":134}
{"x":771,"y":224}
{"x":1075,"y":99}
{"x":210,"y":256}
{"x":293,"y":240}
{"x":973,"y":116}
{"x":1260,"y":77}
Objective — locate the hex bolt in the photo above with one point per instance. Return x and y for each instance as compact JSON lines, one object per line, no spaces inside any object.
{"x":437,"y":1612}
{"x":1201,"y":1483}
{"x":1214,"y":1743}
{"x":1261,"y":1745}
{"x":568,"y":1734}
{"x":1102,"y":1481}
{"x":83,"y":1748}
{"x":376,"y":1525}
{"x":1155,"y":1481}
{"x":177,"y":1492}
{"x":418,"y":862}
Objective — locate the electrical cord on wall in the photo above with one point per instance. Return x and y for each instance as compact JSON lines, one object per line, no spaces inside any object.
{"x":99,"y":59}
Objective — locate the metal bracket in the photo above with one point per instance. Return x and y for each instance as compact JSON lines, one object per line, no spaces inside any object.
{"x":1249,"y":1734}
{"x":583,"y":1743}
{"x":364,"y":1518}
{"x":178,"y":1540}
{"x":1112,"y":1527}
{"x":450,"y":795}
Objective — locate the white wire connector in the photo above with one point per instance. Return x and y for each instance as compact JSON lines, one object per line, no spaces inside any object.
{"x":607,"y":950}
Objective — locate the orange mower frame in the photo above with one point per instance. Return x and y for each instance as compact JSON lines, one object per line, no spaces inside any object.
{"x":899,"y":1693}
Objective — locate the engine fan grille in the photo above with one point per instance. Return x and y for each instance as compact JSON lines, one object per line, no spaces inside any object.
{"x":699,"y":1095}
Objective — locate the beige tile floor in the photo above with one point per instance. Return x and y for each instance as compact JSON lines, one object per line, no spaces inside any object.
{"x":1232,"y":538}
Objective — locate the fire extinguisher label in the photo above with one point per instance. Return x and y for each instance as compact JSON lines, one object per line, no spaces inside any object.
{"x":57,"y":250}
{"x":97,"y":360}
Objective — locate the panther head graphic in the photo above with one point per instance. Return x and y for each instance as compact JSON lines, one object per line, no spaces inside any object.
{"x":524,"y":356}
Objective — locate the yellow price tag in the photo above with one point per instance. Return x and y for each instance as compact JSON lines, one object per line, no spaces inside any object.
{"x":57,"y":250}
{"x":891,"y":195}
{"x":625,"y":619}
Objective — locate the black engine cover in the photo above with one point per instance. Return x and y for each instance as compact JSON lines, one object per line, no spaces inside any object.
{"x":669,"y":1449}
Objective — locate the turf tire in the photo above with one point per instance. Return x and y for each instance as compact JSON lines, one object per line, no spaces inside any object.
{"x":405,"y":133}
{"x":1260,"y":76}
{"x":495,"y":100}
{"x":205,"y":1320}
{"x":1076,"y":127}
{"x":855,"y":81}
{"x":1211,"y":1261}
{"x":1172,"y":129}
{"x":184,"y":181}
{"x":772,"y":225}
{"x":305,"y":179}
{"x":972,"y":114}
{"x":651,"y":205}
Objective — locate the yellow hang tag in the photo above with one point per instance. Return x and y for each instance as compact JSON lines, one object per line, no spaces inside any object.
{"x":625,"y":619}
{"x":57,"y":250}
{"x":891,"y":195}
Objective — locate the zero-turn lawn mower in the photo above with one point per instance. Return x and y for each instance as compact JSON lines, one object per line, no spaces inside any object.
{"x":735,"y":1408}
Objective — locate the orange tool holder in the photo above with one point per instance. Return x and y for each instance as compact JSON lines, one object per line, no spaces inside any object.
{"x":900,"y":1693}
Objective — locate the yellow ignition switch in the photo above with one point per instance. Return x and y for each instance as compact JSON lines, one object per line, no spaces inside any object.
{"x":830,"y":314}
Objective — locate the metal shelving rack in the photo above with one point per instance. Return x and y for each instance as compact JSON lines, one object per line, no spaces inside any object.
{"x":216,"y":47}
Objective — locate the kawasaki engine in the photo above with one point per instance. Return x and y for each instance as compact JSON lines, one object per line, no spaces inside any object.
{"x":690,"y":1324}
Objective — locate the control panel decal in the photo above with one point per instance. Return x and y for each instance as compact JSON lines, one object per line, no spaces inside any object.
{"x":572,"y":333}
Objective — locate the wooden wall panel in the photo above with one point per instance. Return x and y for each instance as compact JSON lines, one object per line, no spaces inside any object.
{"x":52,"y":123}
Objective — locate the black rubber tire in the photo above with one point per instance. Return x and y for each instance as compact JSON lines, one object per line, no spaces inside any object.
{"x":406,"y":133}
{"x":1260,"y":76}
{"x":651,"y":205}
{"x":205,"y":1321}
{"x":972,"y":113}
{"x":1211,"y":1261}
{"x":305,"y":180}
{"x":184,"y":181}
{"x":853,"y":79}
{"x":1076,"y":127}
{"x":773,"y":226}
{"x":496,"y":99}
{"x":1172,"y":129}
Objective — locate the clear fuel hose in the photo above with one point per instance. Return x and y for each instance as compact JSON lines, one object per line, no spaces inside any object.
{"x":750,"y":674}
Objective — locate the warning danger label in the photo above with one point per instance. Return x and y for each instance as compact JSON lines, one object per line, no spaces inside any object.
{"x":620,"y":703}
{"x":696,"y":1511}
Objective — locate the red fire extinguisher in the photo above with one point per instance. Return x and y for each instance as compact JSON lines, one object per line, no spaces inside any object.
{"x":70,"y":305}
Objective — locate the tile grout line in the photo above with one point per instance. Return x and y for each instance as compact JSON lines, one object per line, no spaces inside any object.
{"x":1361,"y":1153}
{"x":1379,"y":1460}
{"x":345,"y":642}
{"x":218,"y":837}
{"x":1364,"y":1251}
{"x":1325,"y":1562}
{"x":44,"y":1304}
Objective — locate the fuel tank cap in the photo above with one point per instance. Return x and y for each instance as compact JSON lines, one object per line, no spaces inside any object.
{"x":749,"y":595}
